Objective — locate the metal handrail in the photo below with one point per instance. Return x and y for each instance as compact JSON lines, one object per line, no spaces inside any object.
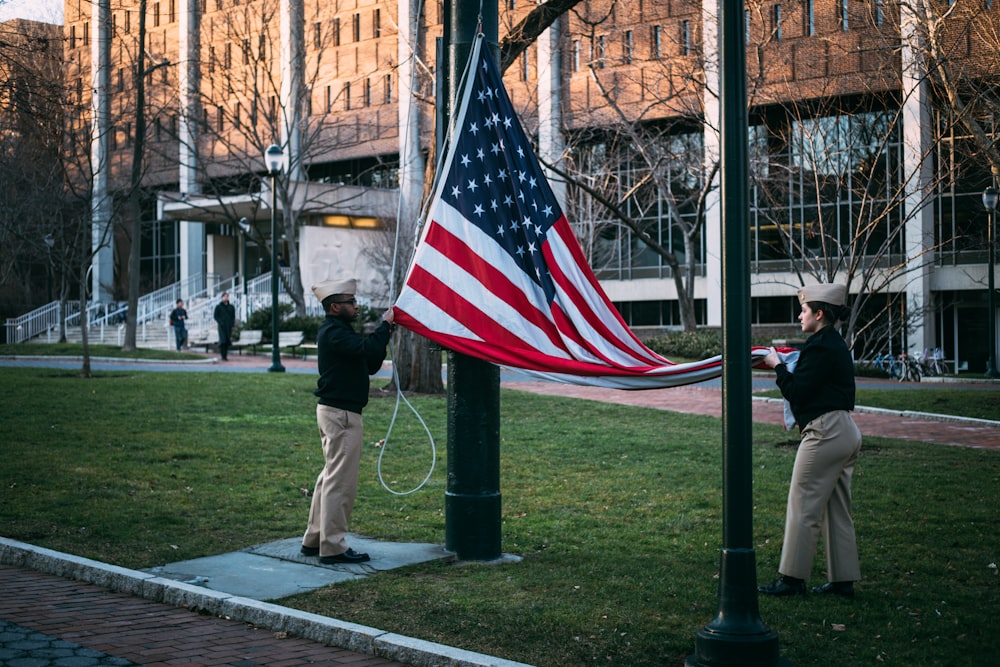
{"x":153,"y":307}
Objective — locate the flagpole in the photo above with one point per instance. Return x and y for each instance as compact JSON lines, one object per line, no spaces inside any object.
{"x":737,"y":635}
{"x":472,"y":498}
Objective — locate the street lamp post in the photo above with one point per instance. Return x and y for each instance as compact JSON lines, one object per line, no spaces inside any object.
{"x":990,"y":196}
{"x":244,"y":230}
{"x":50,"y":241}
{"x":274,"y":158}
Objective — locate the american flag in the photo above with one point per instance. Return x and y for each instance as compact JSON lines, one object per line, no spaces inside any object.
{"x":499,"y":275}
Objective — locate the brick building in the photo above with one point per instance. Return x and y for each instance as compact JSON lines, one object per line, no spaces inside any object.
{"x":870,"y":144}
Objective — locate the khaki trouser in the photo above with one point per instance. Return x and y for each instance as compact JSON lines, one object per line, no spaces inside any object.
{"x":337,"y":484}
{"x":819,"y":498}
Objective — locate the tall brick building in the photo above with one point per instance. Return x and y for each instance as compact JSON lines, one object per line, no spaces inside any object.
{"x":870,"y":143}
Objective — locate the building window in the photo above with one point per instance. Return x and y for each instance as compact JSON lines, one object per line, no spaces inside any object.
{"x":228,"y":56}
{"x":843,"y":15}
{"x":627,"y":48}
{"x":317,"y":35}
{"x":121,"y":80}
{"x":86,"y":34}
{"x":329,"y":99}
{"x":156,"y":15}
{"x":347,"y":95}
{"x":388,"y":88}
{"x":72,"y":37}
{"x":246,"y":51}
{"x":128,"y":21}
{"x":576,"y":55}
{"x":525,"y":66}
{"x":172,"y":8}
{"x":776,"y":20}
{"x":601,"y":50}
{"x":685,"y":38}
{"x":238,"y":116}
{"x":220,"y":119}
{"x":356,"y":27}
{"x":879,"y":12}
{"x":809,"y":18}
{"x":377,"y":23}
{"x":657,"y":41}
{"x":336,"y":32}
{"x":367,"y":93}
{"x":746,"y":24}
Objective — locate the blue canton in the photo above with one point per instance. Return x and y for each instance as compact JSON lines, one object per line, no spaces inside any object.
{"x":495,"y":180}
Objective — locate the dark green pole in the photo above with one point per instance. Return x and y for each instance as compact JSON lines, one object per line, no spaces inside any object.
{"x":736,"y":636}
{"x":472,"y":499}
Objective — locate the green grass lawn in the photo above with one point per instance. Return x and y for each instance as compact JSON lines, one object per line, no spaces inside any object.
{"x":615,"y":511}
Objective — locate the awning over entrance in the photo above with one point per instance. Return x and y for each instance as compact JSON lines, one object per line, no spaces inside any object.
{"x":308,"y":198}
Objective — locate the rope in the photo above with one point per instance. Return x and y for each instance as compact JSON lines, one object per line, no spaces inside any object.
{"x":400,"y":397}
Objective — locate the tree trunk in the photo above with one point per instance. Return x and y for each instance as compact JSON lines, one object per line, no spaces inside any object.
{"x":417,"y":364}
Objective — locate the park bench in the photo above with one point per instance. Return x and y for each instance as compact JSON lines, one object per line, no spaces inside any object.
{"x":249,"y":338}
{"x":290,"y":340}
{"x":206,"y":338}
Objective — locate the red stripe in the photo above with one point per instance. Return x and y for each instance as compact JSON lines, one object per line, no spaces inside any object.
{"x":490,"y":278}
{"x":595,"y":321}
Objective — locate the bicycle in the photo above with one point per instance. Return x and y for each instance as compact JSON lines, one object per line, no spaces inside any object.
{"x":909,"y":369}
{"x":887,"y":364}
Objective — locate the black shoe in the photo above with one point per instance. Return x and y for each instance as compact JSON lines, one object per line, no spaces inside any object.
{"x":350,"y":556}
{"x":841,"y":588}
{"x":309,"y":551}
{"x":783,"y":586}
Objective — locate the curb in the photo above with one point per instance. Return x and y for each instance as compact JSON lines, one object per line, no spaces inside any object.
{"x":908,"y":414}
{"x":272,"y":617}
{"x":110,"y":360}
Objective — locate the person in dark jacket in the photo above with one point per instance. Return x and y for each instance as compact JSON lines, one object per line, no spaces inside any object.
{"x":346,"y":360}
{"x":178,"y":320}
{"x":225,"y":317}
{"x":820,"y":392}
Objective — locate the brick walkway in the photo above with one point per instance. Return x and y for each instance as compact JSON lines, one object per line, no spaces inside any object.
{"x":703,"y":400}
{"x":117,"y":625}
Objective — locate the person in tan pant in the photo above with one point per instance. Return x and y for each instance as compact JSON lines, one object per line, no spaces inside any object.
{"x":820,"y":392}
{"x":346,"y":359}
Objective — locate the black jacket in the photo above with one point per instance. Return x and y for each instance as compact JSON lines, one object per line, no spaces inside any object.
{"x":346,"y":359}
{"x":823,"y":380}
{"x":225,"y":315}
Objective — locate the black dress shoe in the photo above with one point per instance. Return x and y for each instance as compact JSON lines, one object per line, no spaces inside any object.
{"x":841,"y":588}
{"x":784,"y":586}
{"x":350,"y":556}
{"x":309,"y":551}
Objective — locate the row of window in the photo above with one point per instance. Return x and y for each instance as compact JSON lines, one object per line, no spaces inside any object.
{"x":157,"y":17}
{"x":335,"y":36}
{"x":685,"y":36}
{"x":658,"y":43}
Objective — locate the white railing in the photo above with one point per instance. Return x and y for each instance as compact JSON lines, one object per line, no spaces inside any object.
{"x":105,"y":319}
{"x":40,"y":320}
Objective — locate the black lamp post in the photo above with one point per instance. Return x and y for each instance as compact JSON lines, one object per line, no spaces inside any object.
{"x":990,"y":197}
{"x":274,"y":158}
{"x":50,"y":241}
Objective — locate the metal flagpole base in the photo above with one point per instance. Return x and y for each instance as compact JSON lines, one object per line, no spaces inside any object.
{"x":736,"y":637}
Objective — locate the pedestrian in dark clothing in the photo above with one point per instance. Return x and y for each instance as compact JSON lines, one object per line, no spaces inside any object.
{"x":346,"y":360}
{"x":178,"y":320}
{"x":225,"y":316}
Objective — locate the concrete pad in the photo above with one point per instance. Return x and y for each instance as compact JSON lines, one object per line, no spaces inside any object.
{"x":385,"y":555}
{"x":251,"y":576}
{"x":275,"y":570}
